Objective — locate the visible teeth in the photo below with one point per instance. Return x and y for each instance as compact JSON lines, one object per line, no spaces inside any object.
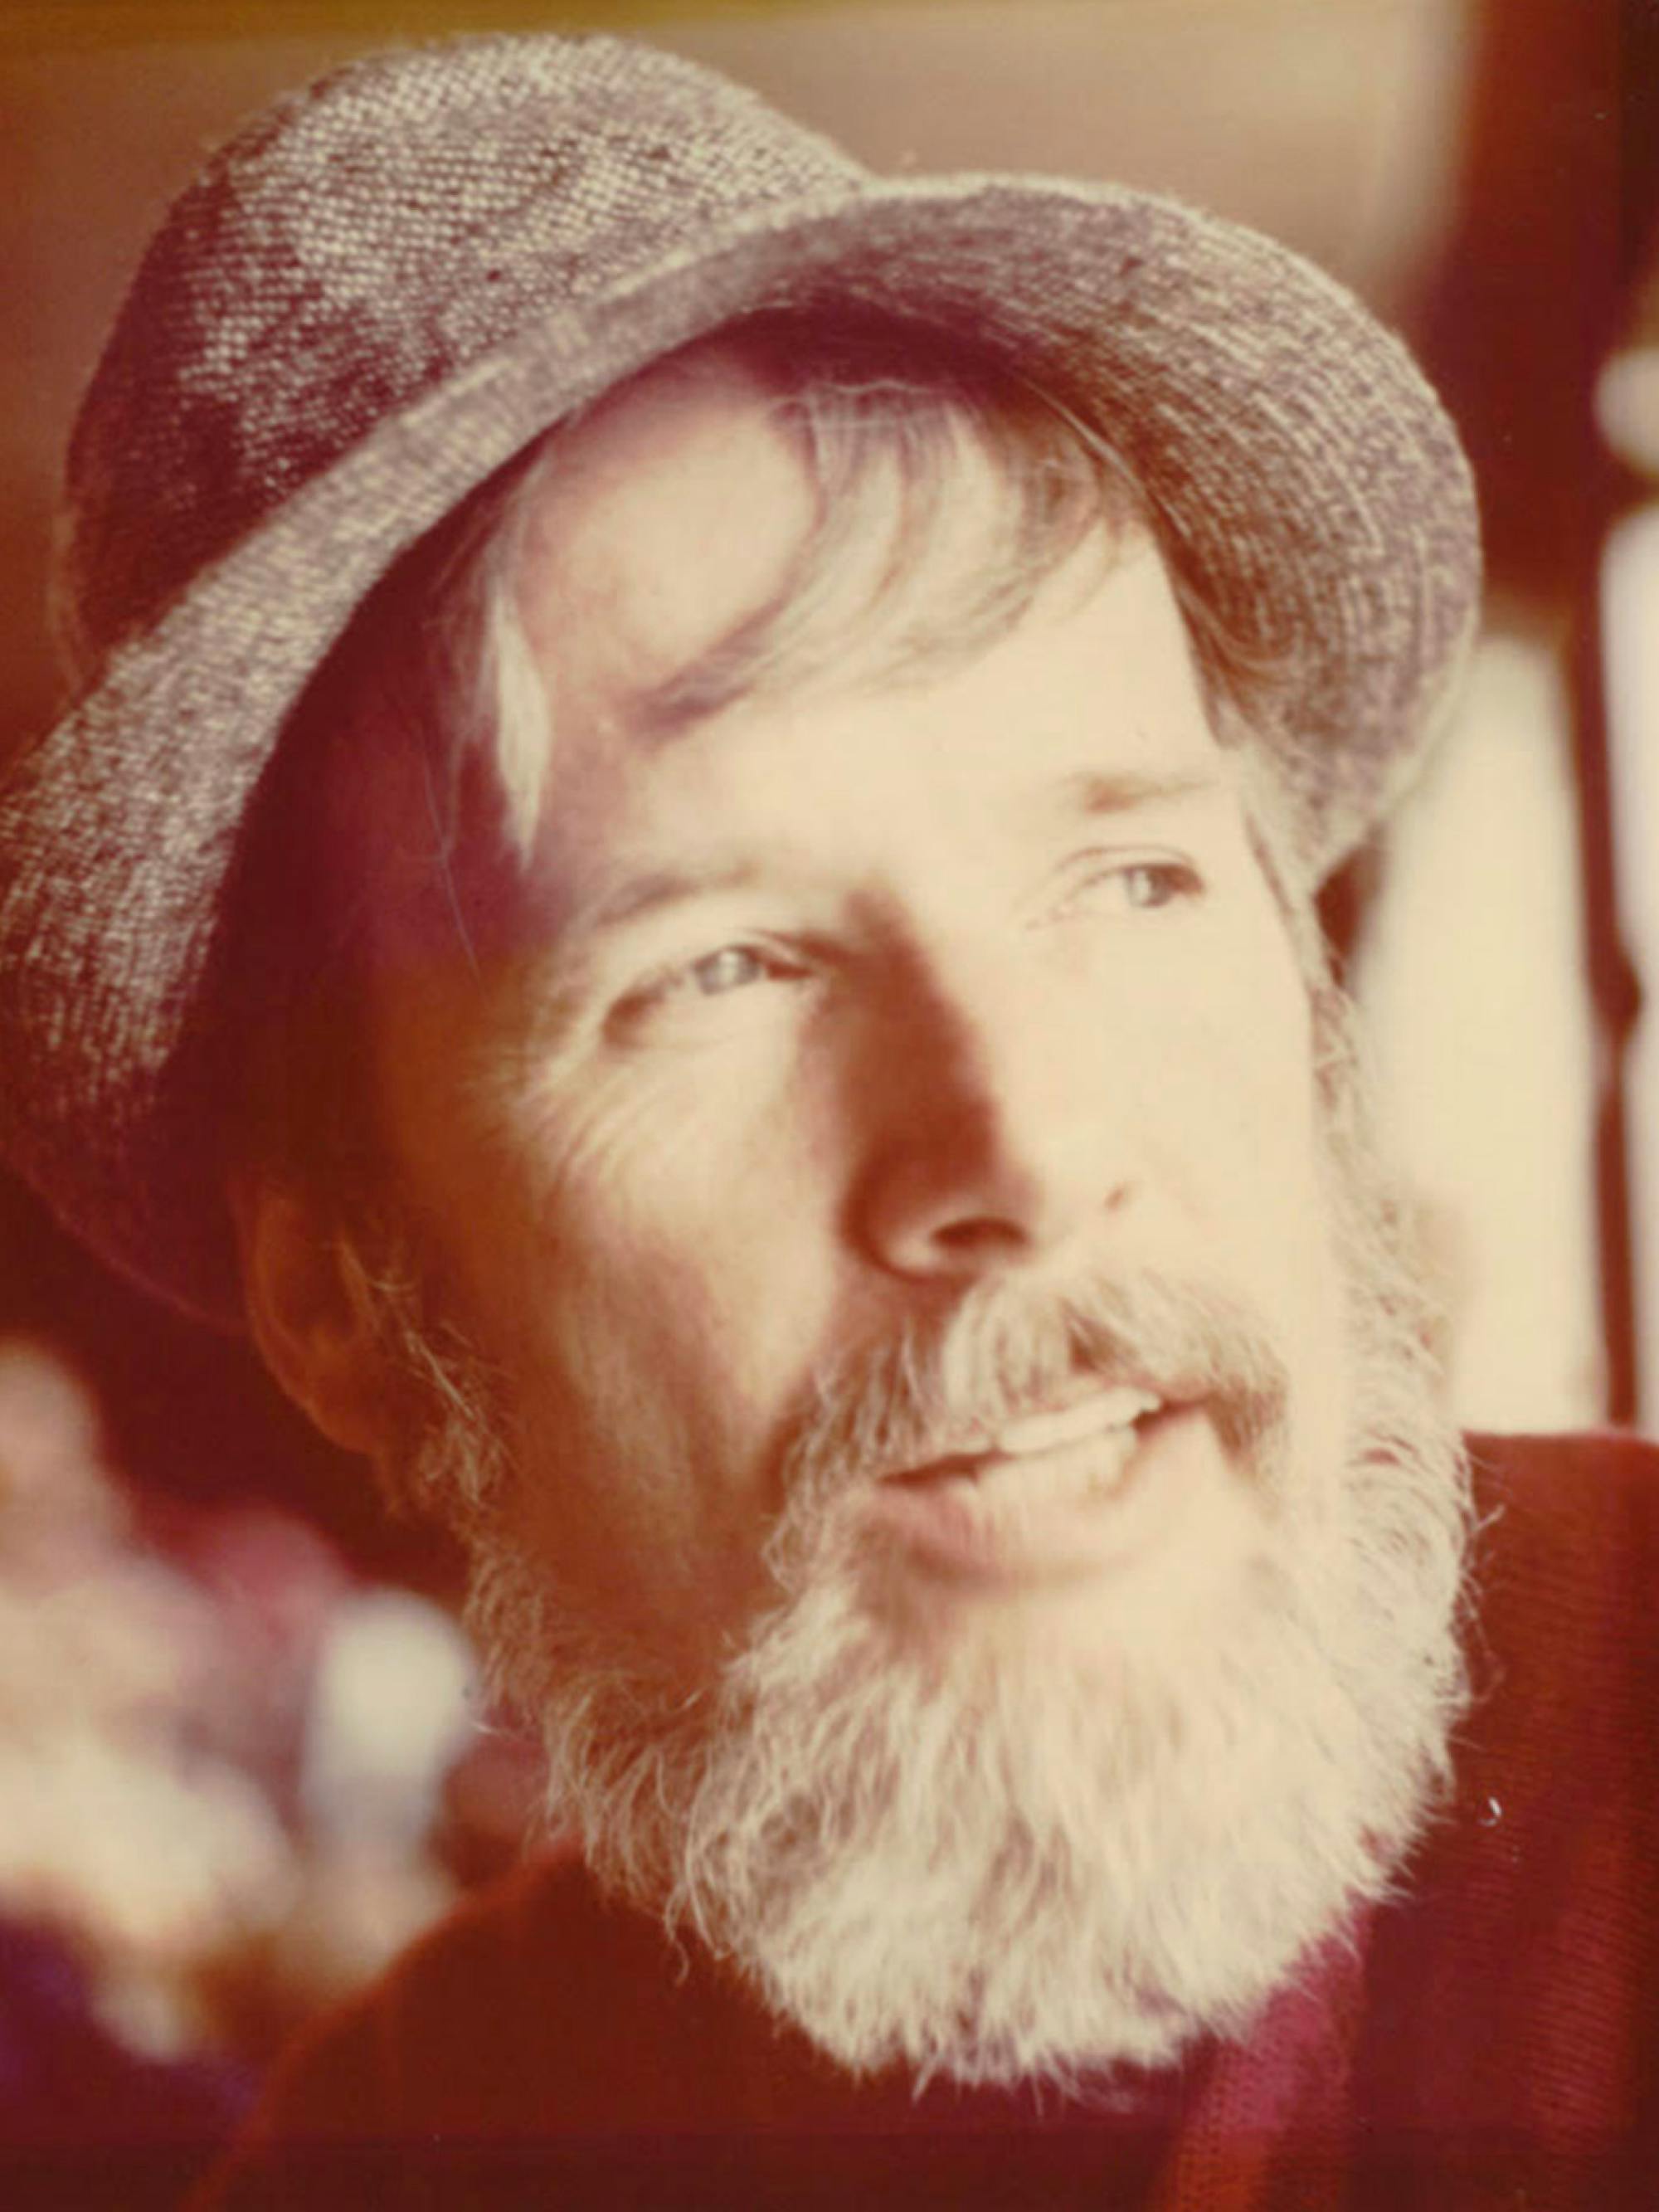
{"x":1041,"y":1482}
{"x":1107,"y":1409}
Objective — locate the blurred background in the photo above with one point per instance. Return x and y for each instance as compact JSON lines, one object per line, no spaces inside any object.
{"x":241,"y":1751}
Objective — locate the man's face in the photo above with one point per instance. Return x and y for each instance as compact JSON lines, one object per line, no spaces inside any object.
{"x":836,"y":1015}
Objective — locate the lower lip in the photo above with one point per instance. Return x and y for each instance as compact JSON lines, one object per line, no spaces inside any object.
{"x":1030,"y":1523}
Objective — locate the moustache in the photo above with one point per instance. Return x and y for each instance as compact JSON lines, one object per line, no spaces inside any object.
{"x":939,"y":1386}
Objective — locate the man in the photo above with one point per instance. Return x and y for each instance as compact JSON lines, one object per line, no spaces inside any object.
{"x":685,"y":866}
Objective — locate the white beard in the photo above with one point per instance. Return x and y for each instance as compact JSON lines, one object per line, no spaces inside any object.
{"x":1000,"y":1866}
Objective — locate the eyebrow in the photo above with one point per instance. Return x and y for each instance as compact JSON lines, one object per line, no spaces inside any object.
{"x":1085,"y":793}
{"x":1097,"y":791}
{"x":657,"y":887}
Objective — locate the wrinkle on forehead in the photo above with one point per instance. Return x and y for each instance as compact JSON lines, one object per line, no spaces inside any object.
{"x":697,"y":545}
{"x":724,"y":530}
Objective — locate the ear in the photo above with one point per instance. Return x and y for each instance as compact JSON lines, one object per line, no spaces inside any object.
{"x":309,"y":1313}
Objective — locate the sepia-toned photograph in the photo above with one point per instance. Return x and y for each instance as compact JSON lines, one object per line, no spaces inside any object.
{"x":830,"y":1105}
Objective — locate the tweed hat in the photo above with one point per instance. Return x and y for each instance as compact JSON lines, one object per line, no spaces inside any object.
{"x":391,"y":282}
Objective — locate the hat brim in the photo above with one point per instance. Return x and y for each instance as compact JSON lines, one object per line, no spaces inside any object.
{"x":1322,"y":502}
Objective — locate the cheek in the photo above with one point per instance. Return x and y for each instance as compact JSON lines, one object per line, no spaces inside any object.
{"x":1285,"y":1212}
{"x":1235,"y":1120}
{"x":669,"y":1259}
{"x":662,"y":1343}
{"x":1252,"y":1179}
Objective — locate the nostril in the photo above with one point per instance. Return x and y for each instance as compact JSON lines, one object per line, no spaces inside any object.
{"x":981,"y":1234}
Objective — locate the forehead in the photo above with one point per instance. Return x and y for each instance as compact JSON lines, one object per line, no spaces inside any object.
{"x":675,"y":519}
{"x":673,"y":525}
{"x":671,"y":516}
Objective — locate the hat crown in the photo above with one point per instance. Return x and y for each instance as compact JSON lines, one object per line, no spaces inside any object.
{"x":363,"y":243}
{"x":398,"y":280}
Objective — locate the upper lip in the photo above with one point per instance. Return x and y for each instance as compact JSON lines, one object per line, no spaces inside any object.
{"x":1063,"y":1420}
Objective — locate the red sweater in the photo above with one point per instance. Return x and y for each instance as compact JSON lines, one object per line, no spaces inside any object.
{"x":1487,"y":2041}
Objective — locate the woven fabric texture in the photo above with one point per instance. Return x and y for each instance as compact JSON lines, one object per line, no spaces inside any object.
{"x":391,"y":282}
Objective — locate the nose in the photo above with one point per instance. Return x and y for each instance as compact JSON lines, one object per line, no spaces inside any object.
{"x":995,"y":1138}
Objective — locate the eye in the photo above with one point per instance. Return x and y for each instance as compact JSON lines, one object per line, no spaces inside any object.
{"x":687,"y":990}
{"x":729,"y":969}
{"x":1147,"y":883}
{"x":1139,"y":883}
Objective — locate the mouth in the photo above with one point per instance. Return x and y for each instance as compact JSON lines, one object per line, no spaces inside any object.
{"x":1053,"y":1495}
{"x":1086,"y":1441}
